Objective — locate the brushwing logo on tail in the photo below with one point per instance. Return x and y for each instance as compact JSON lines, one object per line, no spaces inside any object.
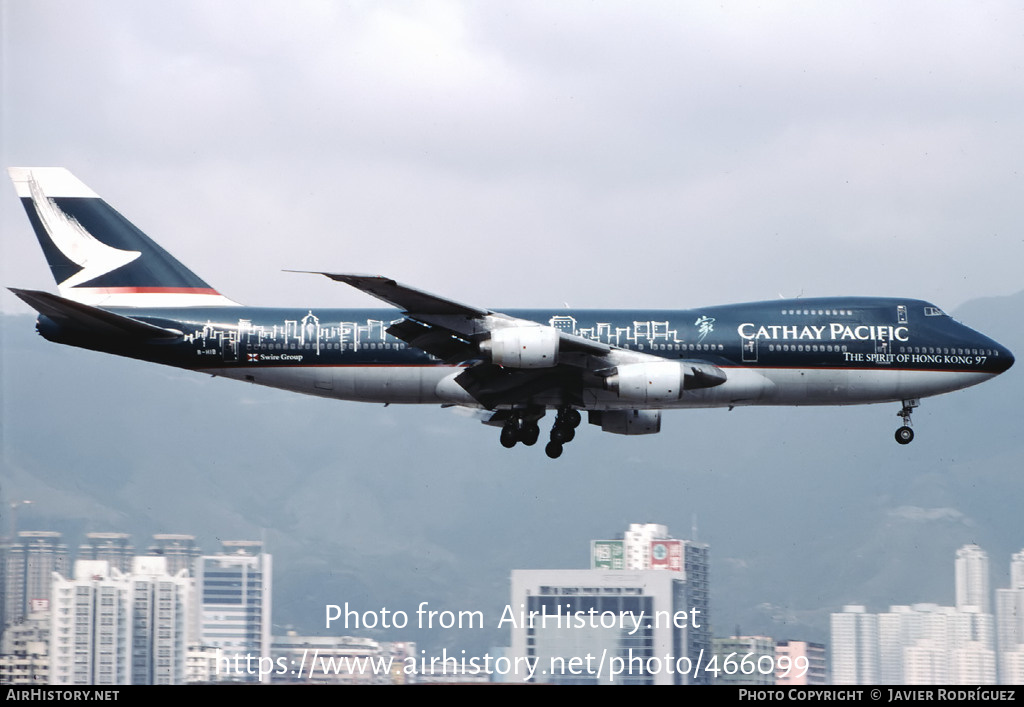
{"x":78,"y":245}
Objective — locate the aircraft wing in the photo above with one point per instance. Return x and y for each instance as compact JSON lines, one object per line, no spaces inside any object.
{"x":515,"y":361}
{"x":406,"y":298}
{"x":444,"y":327}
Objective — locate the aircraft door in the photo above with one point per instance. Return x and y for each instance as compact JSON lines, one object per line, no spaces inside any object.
{"x":749,"y":347}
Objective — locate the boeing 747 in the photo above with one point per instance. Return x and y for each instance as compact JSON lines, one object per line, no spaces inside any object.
{"x":121,"y":293}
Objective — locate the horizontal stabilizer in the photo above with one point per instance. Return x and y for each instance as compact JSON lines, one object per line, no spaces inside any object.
{"x":75,"y":315}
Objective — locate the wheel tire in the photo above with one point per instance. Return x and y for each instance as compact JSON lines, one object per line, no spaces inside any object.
{"x":573,"y":418}
{"x":509,"y":437}
{"x":562,"y":435}
{"x":530,"y":434}
{"x":904,"y":435}
{"x":553,"y":450}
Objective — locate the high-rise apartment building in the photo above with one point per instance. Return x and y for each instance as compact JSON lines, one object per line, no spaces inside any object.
{"x":115,"y":548}
{"x":1010,"y":624}
{"x":637,"y":543}
{"x":114,"y":628}
{"x":159,"y":606}
{"x":25,"y":650}
{"x":972,"y":579}
{"x":90,"y":633}
{"x":180,"y":551}
{"x":855,"y":647}
{"x":29,"y":564}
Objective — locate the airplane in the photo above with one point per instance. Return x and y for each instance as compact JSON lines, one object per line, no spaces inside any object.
{"x":121,"y":293}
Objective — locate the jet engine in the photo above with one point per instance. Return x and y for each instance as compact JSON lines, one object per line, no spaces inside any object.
{"x":627,"y":422}
{"x":662,"y":381}
{"x":523,"y":346}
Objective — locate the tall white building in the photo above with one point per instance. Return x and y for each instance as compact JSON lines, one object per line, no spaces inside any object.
{"x":1010,"y":624}
{"x":234,"y":593}
{"x":159,"y":605}
{"x":855,"y":657}
{"x":972,"y":579}
{"x":112,"y":628}
{"x":637,"y":543}
{"x":648,"y":546}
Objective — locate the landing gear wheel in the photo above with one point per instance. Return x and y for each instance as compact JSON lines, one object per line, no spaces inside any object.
{"x":509,"y":436}
{"x":904,"y":435}
{"x":530,"y":434}
{"x":562,"y":435}
{"x":553,"y":450}
{"x":572,"y":418}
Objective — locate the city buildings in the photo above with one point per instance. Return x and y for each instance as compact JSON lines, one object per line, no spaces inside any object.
{"x":928,"y":644}
{"x":29,"y":564}
{"x":113,"y":628}
{"x":643,"y":605}
{"x":1010,"y":624}
{"x":119,"y":618}
{"x":25,"y":650}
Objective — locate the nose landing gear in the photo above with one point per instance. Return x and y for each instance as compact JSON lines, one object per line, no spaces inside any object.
{"x":905,"y":435}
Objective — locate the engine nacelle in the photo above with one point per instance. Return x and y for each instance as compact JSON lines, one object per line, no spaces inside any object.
{"x":649,"y":382}
{"x":523,"y":347}
{"x":662,"y":381}
{"x":627,"y":422}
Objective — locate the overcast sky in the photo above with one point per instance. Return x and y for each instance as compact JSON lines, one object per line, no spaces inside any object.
{"x":642,"y":154}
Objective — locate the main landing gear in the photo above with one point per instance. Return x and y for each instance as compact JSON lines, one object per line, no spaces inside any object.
{"x":519,"y":429}
{"x":563,"y":431}
{"x":905,"y":435}
{"x":522,"y":428}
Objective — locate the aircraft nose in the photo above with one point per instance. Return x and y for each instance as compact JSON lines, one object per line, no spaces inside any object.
{"x":1004,"y":360}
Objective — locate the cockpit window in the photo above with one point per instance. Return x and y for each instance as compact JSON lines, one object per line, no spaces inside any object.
{"x":933,"y":312}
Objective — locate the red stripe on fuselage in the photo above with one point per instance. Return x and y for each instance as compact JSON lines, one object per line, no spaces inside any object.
{"x":149,"y":290}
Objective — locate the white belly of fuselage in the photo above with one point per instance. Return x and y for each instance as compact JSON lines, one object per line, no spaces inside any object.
{"x":745,"y":386}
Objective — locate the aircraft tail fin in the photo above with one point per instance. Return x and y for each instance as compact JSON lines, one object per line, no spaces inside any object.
{"x":96,"y":255}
